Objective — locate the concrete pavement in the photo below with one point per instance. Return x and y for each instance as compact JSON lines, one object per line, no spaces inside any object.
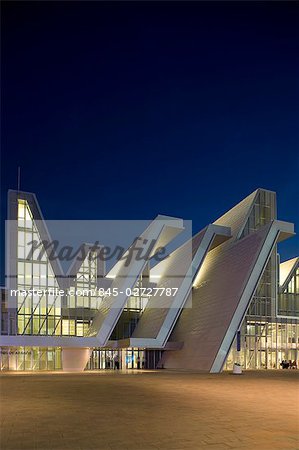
{"x":149,"y":410}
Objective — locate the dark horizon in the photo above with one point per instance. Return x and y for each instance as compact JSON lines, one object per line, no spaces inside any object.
{"x":129,"y":110}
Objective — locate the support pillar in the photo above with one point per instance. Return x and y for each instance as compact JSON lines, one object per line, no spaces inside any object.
{"x":75,"y":359}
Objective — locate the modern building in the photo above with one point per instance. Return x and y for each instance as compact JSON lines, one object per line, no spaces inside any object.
{"x":224,"y":297}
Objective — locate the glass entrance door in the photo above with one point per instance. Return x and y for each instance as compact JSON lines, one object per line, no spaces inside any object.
{"x":134,"y":358}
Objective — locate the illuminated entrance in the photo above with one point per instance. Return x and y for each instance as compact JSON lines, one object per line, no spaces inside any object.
{"x":129,"y":358}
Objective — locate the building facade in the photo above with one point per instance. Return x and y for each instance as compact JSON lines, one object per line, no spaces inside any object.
{"x":224,"y":297}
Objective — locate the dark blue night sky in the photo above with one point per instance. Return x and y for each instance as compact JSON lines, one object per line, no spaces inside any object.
{"x":127,"y":110}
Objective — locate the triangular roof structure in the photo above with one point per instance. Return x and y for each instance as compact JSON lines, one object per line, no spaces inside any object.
{"x":223,"y":290}
{"x":286,"y":271}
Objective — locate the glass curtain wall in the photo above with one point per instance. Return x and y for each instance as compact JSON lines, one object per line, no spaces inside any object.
{"x":288,"y":300}
{"x":83,"y":301}
{"x":266,"y":340}
{"x":129,"y":358}
{"x":36,"y":315}
{"x":30,"y":358}
{"x":265,"y":344}
{"x":132,"y":312}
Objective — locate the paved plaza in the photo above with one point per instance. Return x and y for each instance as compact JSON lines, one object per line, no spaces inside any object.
{"x":149,"y":410}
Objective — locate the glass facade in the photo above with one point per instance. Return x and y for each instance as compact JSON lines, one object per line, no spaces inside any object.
{"x":288,"y":300}
{"x":8,"y":316}
{"x":129,"y":358}
{"x":35,"y":315}
{"x":61,"y":316}
{"x":263,"y":211}
{"x":269,"y":332}
{"x":30,"y":358}
{"x":132,"y":312}
{"x":265,"y":338}
{"x":265,"y":344}
{"x":51,"y":314}
{"x":82,"y":302}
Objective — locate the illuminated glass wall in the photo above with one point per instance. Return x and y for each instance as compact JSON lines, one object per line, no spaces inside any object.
{"x":37,"y":315}
{"x":83,"y":301}
{"x":132,"y":312}
{"x":288,"y":300}
{"x":30,"y":358}
{"x":51,"y":314}
{"x":265,"y":338}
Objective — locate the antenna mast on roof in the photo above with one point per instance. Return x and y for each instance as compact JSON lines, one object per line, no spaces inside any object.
{"x":19,"y":177}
